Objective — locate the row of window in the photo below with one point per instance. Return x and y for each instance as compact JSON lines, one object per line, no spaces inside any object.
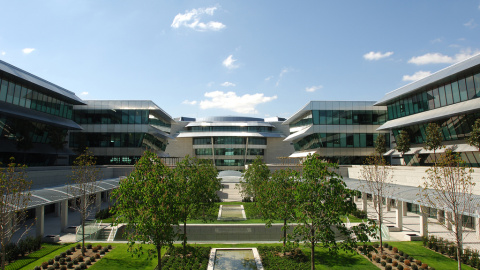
{"x":230,"y":128}
{"x":343,"y":117}
{"x":333,"y":140}
{"x":117,"y":117}
{"x":84,"y":139}
{"x":472,"y":159}
{"x":229,"y":152}
{"x":345,"y":160}
{"x":229,"y":140}
{"x":20,"y":95}
{"x":453,"y":128}
{"x":457,"y":91}
{"x":232,"y":162}
{"x":26,"y":132}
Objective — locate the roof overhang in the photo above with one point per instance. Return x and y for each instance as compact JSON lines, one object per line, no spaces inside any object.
{"x":433,"y":115}
{"x":230,"y":134}
{"x":229,"y":124}
{"x":301,"y":154}
{"x":300,"y":134}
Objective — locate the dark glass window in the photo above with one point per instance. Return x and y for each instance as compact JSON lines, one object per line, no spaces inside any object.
{"x":463,"y":89}
{"x":441,"y":93}
{"x":476,"y":78}
{"x":470,"y":88}
{"x":3,"y":90}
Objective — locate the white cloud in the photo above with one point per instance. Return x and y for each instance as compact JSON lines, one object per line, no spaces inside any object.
{"x":313,"y":88}
{"x":282,"y":72}
{"x":84,"y":93}
{"x":470,"y":24}
{"x":437,"y":40}
{"x":28,"y":50}
{"x":3,"y":53}
{"x":191,"y":19}
{"x":438,"y":58}
{"x":376,"y":55}
{"x":230,"y":101}
{"x":417,"y":76}
{"x":229,"y":62}
{"x":193,"y":102}
{"x":268,"y":78}
{"x":227,"y":84}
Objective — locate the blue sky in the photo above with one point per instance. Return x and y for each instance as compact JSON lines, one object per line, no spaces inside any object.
{"x":253,"y":58}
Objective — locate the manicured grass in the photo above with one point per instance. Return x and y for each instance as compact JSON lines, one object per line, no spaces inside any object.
{"x":36,"y":258}
{"x":432,"y":258}
{"x":120,"y":258}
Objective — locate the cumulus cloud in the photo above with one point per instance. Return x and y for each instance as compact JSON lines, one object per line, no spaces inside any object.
{"x":268,"y":78}
{"x":193,"y":102}
{"x":376,"y":55}
{"x":3,"y":53}
{"x":470,"y":24}
{"x":191,"y":19}
{"x":229,"y":62}
{"x":241,"y":104}
{"x":438,"y":58}
{"x":313,"y":88}
{"x":28,"y":50}
{"x":84,"y":93}
{"x":417,"y":76}
{"x":227,"y":84}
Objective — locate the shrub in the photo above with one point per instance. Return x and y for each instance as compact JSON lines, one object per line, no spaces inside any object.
{"x":78,"y":268}
{"x":62,"y":261}
{"x":418,"y":262}
{"x":72,"y":249}
{"x":37,"y":268}
{"x":390,"y":247}
{"x":384,"y":257}
{"x":109,"y":246}
{"x":377,"y":260}
{"x":400,"y":267}
{"x":388,"y":267}
{"x":383,"y":263}
{"x":57,"y":258}
{"x":63,"y":254}
{"x":375,"y":245}
{"x":97,"y":256}
{"x":75,"y":261}
{"x":50,"y":261}
{"x":89,"y":246}
{"x":78,"y":246}
{"x":51,"y":268}
{"x":400,"y":252}
{"x":397,"y":256}
{"x":401,"y":259}
{"x":80,"y":258}
{"x":92,"y":259}
{"x":70,"y":265}
{"x":44,"y":265}
{"x":424,"y":266}
{"x":395,"y":250}
{"x":385,"y":245}
{"x":94,"y":249}
{"x":102,"y":252}
{"x":56,"y":265}
{"x":407,"y":262}
{"x":389,"y":260}
{"x":99,"y":246}
{"x":63,"y":267}
{"x":88,"y":262}
{"x":394,"y":263}
{"x":414,"y":267}
{"x":374,"y":256}
{"x":69,"y":252}
{"x":83,"y":265}
{"x":68,"y":259}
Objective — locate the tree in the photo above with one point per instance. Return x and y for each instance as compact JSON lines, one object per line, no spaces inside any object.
{"x":15,"y":191}
{"x":403,"y":142}
{"x":322,"y":199}
{"x":449,"y":184}
{"x":474,"y":139}
{"x":256,"y":173}
{"x":56,"y":138}
{"x":433,"y":138}
{"x":147,"y":201}
{"x":83,"y":186}
{"x":276,"y":199}
{"x":379,"y":180}
{"x":197,"y":179}
{"x":380,"y":144}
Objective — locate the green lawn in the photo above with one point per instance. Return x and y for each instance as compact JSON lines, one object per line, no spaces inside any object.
{"x":49,"y":251}
{"x":432,"y":258}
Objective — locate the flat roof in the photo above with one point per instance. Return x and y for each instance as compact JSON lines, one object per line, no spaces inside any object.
{"x":441,"y":76}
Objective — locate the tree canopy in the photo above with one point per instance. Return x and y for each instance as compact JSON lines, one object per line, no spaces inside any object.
{"x":474,"y":139}
{"x":380,"y":145}
{"x":433,"y":139}
{"x":256,"y":173}
{"x":403,"y":142}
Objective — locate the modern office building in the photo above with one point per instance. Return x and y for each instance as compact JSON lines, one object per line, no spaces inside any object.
{"x":449,"y":98}
{"x":119,"y":131}
{"x":339,"y":131}
{"x":35,"y":116}
{"x":230,"y":142}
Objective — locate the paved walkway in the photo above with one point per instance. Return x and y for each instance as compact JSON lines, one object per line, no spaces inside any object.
{"x":411,"y":224}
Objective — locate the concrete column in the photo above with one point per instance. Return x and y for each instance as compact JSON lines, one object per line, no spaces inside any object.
{"x":364,"y":201}
{"x":405,"y":209}
{"x":424,"y":221}
{"x":399,"y":216}
{"x":64,"y":215}
{"x":449,"y":221}
{"x":40,"y":222}
{"x":57,"y":209}
{"x":389,"y":203}
{"x":441,"y":216}
{"x":98,"y":200}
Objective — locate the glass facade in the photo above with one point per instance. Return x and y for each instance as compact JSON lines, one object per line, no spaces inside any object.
{"x":337,"y":140}
{"x":463,"y":89}
{"x":453,"y":128}
{"x":86,"y":139}
{"x":232,"y":162}
{"x":343,"y":117}
{"x":229,"y":152}
{"x":229,"y":128}
{"x":139,"y":117}
{"x":19,"y":94}
{"x":229,"y":140}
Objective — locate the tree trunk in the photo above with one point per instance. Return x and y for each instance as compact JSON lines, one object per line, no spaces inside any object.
{"x":159,"y":257}
{"x":83,"y":235}
{"x":312,"y":256}
{"x":459,"y":257}
{"x":284,"y":235}
{"x":4,"y":250}
{"x":184,"y":239}
{"x":380,"y":222}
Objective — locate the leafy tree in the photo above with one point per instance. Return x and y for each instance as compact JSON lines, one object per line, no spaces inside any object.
{"x":147,"y":201}
{"x":276,"y":199}
{"x":322,"y":199}
{"x":197,"y":179}
{"x":84,"y":177}
{"x":56,"y":138}
{"x":15,"y":190}
{"x":379,"y":180}
{"x":256,"y":173}
{"x":380,"y":145}
{"x":403,"y":142}
{"x":474,"y":139}
{"x":433,"y":138}
{"x":449,"y":184}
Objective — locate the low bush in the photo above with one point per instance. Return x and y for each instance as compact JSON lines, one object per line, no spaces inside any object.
{"x":407,"y":262}
{"x":89,"y":246}
{"x":377,"y":260}
{"x":383,"y":263}
{"x":394,"y":263}
{"x":395,"y":250}
{"x":418,"y":262}
{"x":45,"y":265}
{"x":414,"y":267}
{"x":388,"y":267}
{"x":70,"y":265}
{"x":400,"y":267}
{"x":424,"y":266}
